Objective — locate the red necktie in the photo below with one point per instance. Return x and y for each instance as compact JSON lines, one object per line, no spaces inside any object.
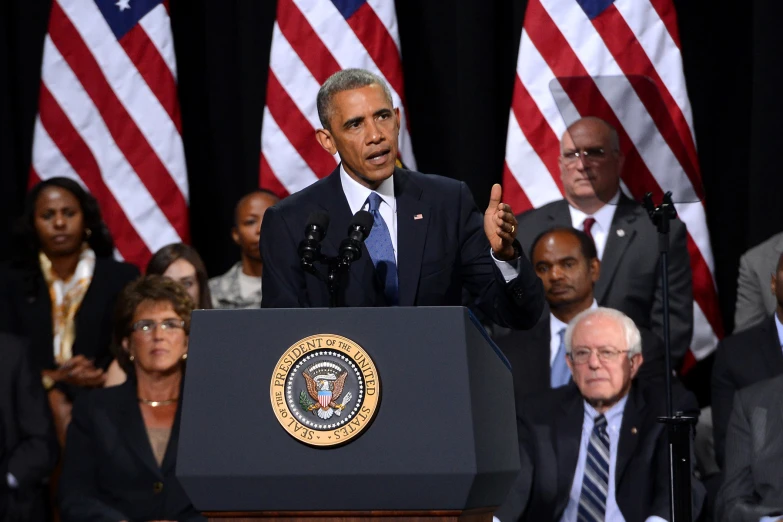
{"x":588,"y":226}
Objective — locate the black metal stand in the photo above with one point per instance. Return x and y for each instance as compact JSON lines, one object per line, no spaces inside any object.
{"x":679,"y":427}
{"x":336,"y":267}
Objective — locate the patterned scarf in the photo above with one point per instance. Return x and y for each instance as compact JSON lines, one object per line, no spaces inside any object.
{"x":66,"y":297}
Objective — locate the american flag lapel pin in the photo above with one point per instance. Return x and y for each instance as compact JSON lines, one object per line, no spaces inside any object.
{"x":418,"y":216}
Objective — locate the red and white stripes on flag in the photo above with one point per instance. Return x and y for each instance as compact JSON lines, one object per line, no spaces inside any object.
{"x":313,"y":39}
{"x":567,"y":39}
{"x":109,"y":118}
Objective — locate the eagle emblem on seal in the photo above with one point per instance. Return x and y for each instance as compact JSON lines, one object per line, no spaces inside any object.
{"x":325,"y":382}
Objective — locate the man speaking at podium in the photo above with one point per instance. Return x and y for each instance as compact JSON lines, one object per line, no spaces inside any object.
{"x":428,"y":239}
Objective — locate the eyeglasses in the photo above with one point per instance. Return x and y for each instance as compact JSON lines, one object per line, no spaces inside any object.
{"x":582,"y":355}
{"x":588,"y":155}
{"x":147,"y":326}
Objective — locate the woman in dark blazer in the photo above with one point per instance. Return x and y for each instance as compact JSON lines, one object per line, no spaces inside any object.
{"x":121,"y":449}
{"x":60,"y":290}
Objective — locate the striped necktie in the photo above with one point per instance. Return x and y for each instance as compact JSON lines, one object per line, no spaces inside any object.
{"x":595,"y":483}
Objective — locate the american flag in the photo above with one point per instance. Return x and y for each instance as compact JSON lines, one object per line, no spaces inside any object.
{"x":313,"y":39}
{"x":573,"y":42}
{"x":109,"y":118}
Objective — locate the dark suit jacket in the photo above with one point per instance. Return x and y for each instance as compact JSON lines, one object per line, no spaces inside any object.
{"x":529,"y":352}
{"x":742,"y":359}
{"x":28,"y":446}
{"x":753,"y":485}
{"x":630,"y":279}
{"x":550,"y":429}
{"x":438,"y":253}
{"x":28,"y":312}
{"x":109,"y":470}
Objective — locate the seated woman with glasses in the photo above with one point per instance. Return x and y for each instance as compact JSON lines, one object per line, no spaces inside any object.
{"x":121,"y":448}
{"x":181,"y":263}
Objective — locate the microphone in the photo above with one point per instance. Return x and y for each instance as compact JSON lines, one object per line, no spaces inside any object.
{"x":315,"y":231}
{"x":358,"y":230}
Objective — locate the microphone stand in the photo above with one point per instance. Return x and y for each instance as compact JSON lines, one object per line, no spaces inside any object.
{"x":336,"y":269}
{"x":679,"y":426}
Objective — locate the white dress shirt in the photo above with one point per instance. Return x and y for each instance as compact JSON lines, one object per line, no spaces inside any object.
{"x":357,"y":195}
{"x":603,"y":222}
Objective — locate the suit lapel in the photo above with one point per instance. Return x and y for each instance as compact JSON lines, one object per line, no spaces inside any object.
{"x":132,"y":426}
{"x":413,"y":217}
{"x":568,"y":434}
{"x":559,"y":215}
{"x":336,"y":206}
{"x":629,"y":432}
{"x":619,"y":237}
{"x":771,"y":347}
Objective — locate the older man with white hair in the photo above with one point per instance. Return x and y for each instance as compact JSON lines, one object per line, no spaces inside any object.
{"x":594,"y":450}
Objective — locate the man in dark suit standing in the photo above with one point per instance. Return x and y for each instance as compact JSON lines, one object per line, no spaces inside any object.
{"x":28,"y":445}
{"x":428,"y":239}
{"x":753,"y":487}
{"x":626,"y":240}
{"x":594,"y":450}
{"x":746,"y":358}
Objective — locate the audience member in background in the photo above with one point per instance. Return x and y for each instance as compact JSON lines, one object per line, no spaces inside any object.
{"x":61,"y":289}
{"x":753,"y":486}
{"x":181,"y":263}
{"x":567,"y":264}
{"x":603,"y":414}
{"x":28,"y":445}
{"x":744,"y":359}
{"x":240,"y":287}
{"x":566,"y":261}
{"x":626,"y":240}
{"x":122,"y":442}
{"x":754,"y":300}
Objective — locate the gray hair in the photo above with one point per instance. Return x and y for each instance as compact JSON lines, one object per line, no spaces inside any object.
{"x":633,"y":339}
{"x":345,"y":80}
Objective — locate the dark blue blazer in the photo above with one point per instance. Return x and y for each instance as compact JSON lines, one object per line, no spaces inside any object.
{"x":109,"y":470}
{"x":441,"y":248}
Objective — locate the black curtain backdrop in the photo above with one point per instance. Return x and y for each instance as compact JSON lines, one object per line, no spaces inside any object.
{"x":459,"y":62}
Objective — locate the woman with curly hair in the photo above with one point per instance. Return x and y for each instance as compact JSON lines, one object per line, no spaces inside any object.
{"x":60,"y":290}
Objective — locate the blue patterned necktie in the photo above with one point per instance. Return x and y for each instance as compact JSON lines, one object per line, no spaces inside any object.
{"x":595,"y":483}
{"x":560,"y":374}
{"x":379,"y":245}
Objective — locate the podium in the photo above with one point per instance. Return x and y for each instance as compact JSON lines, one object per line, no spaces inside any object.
{"x":441,"y":443}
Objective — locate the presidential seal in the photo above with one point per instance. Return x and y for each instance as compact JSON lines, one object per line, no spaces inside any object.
{"x":325,"y":390}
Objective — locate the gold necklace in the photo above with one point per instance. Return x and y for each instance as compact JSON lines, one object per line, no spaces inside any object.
{"x":155,"y":404}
